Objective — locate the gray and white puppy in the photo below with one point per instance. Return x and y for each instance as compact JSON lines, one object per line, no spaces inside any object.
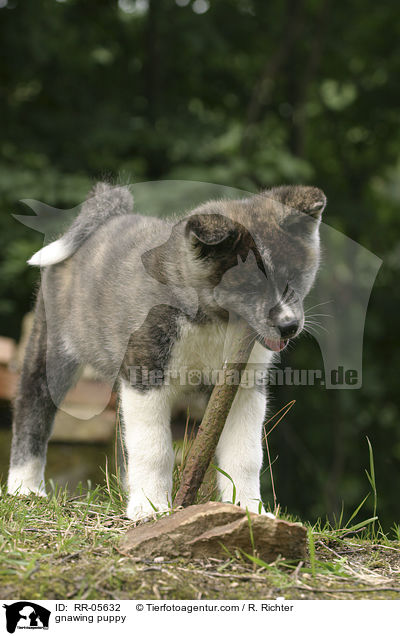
{"x":141,"y":299}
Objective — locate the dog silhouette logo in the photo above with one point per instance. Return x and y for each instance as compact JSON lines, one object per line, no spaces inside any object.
{"x":26,"y":615}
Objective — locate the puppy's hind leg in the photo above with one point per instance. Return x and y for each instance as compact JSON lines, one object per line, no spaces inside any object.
{"x":35,"y":407}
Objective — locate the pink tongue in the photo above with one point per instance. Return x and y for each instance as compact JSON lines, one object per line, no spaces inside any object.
{"x":275,"y":345}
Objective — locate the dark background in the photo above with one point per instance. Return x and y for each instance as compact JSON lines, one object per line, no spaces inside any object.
{"x":246,"y":93}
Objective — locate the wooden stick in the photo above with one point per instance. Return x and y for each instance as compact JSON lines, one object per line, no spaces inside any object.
{"x":219,"y":405}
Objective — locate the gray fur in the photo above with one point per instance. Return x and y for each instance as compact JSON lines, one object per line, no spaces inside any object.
{"x":103,"y":203}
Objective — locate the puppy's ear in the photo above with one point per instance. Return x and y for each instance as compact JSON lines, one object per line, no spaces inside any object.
{"x":306,"y":199}
{"x":211,"y":233}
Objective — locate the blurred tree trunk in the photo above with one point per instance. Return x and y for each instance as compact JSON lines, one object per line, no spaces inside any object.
{"x":152,"y":62}
{"x":301,"y":84}
{"x":292,"y":27}
{"x":153,"y":88}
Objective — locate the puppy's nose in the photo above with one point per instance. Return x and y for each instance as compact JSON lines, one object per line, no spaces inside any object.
{"x":288,"y":329}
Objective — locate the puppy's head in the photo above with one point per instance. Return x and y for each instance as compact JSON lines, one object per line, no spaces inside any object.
{"x":257,"y":258}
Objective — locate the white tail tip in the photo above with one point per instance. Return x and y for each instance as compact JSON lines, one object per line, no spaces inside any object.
{"x":51,"y":254}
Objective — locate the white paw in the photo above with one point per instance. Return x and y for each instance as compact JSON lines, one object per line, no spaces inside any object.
{"x":142,"y":510}
{"x":255,"y":505}
{"x":26,"y":491}
{"x":27,"y":479}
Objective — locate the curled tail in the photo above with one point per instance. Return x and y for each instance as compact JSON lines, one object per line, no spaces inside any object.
{"x":104,"y":203}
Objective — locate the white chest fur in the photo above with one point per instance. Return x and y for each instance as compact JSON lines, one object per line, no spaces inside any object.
{"x":205,"y":349}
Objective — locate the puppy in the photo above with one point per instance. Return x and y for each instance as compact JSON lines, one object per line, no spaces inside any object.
{"x":148,"y":302}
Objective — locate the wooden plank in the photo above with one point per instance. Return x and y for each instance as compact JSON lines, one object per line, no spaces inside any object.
{"x":7,"y":350}
{"x":86,"y":392}
{"x":69,"y":427}
{"x":8,"y":384}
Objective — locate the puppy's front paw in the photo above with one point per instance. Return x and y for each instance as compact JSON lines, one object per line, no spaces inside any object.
{"x":254,"y":505}
{"x":140,"y":509}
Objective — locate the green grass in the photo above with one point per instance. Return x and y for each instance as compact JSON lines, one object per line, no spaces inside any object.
{"x":67,"y":546}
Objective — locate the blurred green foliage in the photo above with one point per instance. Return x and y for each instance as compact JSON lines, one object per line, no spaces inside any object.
{"x":245,"y":93}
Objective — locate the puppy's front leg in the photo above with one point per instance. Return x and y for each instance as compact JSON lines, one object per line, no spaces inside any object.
{"x":148,"y":441}
{"x":239,"y":451}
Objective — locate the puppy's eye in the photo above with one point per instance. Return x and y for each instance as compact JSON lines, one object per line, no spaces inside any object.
{"x":288,"y":293}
